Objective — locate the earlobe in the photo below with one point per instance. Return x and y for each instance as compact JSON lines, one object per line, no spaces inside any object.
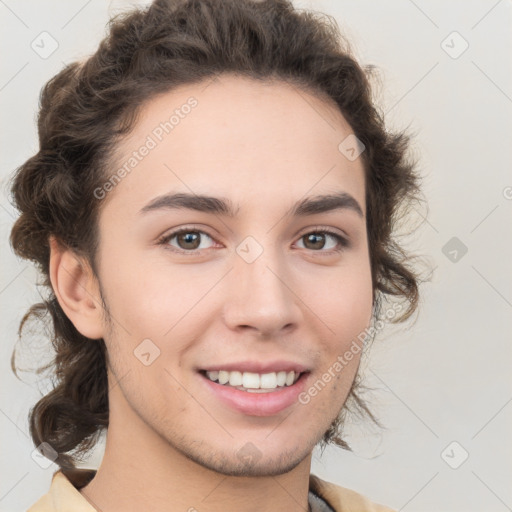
{"x":76,"y":289}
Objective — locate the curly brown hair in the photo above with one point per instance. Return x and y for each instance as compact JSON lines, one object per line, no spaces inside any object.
{"x":89,"y":106}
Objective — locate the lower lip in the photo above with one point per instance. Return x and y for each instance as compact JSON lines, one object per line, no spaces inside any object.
{"x":257,"y":404}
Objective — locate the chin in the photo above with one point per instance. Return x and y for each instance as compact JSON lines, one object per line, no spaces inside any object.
{"x":264,"y":466}
{"x":249,"y":461}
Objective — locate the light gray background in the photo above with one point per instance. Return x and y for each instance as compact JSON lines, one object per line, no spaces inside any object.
{"x":446,"y":378}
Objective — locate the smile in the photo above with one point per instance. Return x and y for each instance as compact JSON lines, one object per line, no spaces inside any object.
{"x":243,"y":395}
{"x":254,"y":382}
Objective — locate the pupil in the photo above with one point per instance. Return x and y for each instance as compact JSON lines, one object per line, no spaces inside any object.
{"x":315,"y":236}
{"x":189,"y":238}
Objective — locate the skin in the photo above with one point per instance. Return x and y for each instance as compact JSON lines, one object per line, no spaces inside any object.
{"x":171,"y":445}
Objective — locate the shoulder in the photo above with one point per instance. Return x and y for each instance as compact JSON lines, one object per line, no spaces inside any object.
{"x":343,"y":499}
{"x":63,"y":494}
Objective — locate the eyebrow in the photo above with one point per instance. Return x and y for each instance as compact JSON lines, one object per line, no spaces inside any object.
{"x":222,"y":206}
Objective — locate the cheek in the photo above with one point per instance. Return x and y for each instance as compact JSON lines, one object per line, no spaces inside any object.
{"x":152,"y":300}
{"x":344,"y":302}
{"x":132,"y":281}
{"x":345,"y":309}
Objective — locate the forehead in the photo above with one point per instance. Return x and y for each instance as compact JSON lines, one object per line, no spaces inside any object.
{"x":236,"y":137}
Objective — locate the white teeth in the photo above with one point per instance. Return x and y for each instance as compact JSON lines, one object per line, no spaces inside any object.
{"x":223,"y":376}
{"x":254,"y":382}
{"x":250,"y":380}
{"x":268,"y":381}
{"x":290,"y":377}
{"x":235,"y":379}
{"x":215,"y":375}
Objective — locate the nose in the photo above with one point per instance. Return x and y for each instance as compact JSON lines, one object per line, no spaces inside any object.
{"x":261,"y":297}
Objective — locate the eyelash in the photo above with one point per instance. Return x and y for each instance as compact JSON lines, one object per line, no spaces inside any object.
{"x":342,"y":241}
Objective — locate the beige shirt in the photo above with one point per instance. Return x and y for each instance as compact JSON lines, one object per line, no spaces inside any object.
{"x":64,"y":496}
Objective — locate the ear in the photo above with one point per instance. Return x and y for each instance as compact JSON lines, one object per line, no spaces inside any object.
{"x":76,"y":289}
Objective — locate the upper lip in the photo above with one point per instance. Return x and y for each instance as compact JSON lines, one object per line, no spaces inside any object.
{"x":259,"y":366}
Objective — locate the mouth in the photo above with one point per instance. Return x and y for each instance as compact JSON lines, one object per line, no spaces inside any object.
{"x":254,"y":394}
{"x":252,"y":382}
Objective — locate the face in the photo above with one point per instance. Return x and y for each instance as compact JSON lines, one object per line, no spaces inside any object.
{"x":261,"y":291}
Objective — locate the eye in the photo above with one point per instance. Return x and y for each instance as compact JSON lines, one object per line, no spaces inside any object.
{"x":316,"y":240}
{"x":189,"y":240}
